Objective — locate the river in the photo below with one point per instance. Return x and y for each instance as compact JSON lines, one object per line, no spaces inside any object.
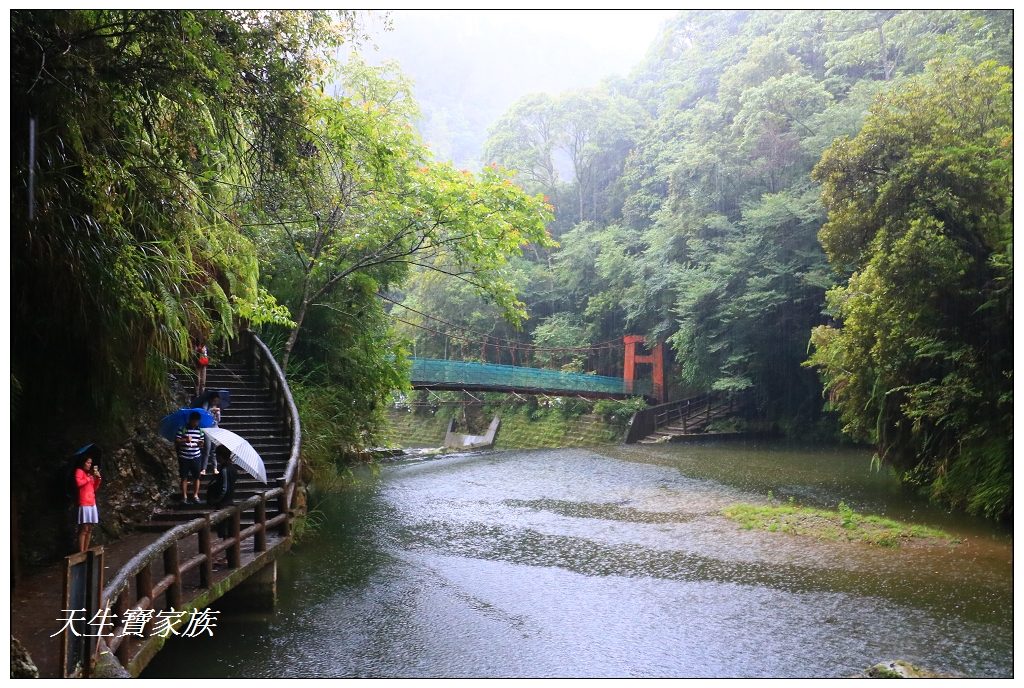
{"x":616,"y":562}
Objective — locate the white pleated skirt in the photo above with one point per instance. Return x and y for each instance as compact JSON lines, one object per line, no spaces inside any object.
{"x":88,"y":514}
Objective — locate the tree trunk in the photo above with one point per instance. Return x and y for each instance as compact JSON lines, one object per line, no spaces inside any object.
{"x":294,"y":336}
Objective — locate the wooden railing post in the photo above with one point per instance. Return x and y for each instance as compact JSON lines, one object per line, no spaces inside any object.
{"x":144,"y":585}
{"x":122,"y":605}
{"x":260,"y":540}
{"x":171,"y":568}
{"x":205,"y":548}
{"x":235,"y":551}
{"x":282,"y":508}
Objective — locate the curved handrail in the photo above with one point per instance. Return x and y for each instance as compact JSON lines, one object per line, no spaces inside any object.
{"x":146,"y":556}
{"x":289,"y":402}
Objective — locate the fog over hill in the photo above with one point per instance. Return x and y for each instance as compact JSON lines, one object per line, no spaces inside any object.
{"x":470,"y":66}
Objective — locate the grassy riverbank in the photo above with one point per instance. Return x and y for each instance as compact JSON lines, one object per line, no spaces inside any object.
{"x":841,"y":524}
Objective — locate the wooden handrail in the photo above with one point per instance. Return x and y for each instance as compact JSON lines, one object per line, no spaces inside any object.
{"x":278,"y":384}
{"x":650,"y":419}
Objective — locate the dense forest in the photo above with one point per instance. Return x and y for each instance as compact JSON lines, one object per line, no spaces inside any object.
{"x":763,"y":175}
{"x":811,"y":208}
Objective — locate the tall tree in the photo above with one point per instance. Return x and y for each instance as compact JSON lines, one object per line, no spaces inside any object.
{"x":920,"y":216}
{"x":147,"y":125}
{"x":368,"y":203}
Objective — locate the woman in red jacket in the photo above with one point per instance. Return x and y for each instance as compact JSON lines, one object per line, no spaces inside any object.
{"x":87,"y":478}
{"x":202,"y":358}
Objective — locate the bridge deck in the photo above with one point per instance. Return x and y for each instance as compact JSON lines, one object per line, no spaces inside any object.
{"x":488,"y":377}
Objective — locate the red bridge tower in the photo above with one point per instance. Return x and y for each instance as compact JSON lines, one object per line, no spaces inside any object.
{"x":656,"y":358}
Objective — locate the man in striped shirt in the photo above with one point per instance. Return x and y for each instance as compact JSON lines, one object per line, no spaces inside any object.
{"x":189,"y":443}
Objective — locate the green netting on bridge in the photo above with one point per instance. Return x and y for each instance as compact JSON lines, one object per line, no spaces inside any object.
{"x":427,"y":372}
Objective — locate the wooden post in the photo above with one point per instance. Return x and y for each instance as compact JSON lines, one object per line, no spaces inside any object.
{"x":122,"y":605}
{"x":282,"y":508}
{"x":235,"y":550}
{"x":206,"y":568}
{"x":144,"y":584}
{"x":260,"y":540}
{"x":171,"y":568}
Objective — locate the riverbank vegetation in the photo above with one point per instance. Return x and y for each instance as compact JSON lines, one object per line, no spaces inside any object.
{"x":842,"y":523}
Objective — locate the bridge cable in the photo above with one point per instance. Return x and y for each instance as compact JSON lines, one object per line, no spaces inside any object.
{"x":491,"y":340}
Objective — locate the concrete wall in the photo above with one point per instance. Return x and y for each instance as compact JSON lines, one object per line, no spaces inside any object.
{"x":518,"y":430}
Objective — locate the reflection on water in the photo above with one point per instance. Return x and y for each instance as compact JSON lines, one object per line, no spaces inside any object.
{"x":575,"y":563}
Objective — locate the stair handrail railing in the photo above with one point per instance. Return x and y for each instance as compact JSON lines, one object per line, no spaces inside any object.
{"x":120,"y":595}
{"x":648,"y":420}
{"x":263,"y":361}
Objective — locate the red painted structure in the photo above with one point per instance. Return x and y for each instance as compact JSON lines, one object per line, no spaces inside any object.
{"x":656,"y":358}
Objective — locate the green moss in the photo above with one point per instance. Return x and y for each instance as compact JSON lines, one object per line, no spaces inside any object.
{"x":841,"y":524}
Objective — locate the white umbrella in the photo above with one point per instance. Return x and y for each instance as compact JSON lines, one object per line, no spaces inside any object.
{"x":243,"y":453}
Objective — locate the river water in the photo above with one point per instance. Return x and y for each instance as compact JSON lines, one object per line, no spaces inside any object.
{"x":616,"y":562}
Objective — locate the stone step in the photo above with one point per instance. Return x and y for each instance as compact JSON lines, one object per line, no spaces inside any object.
{"x":256,"y":416}
{"x":249,"y":386}
{"x":248,"y":430}
{"x":239,"y":375}
{"x":247,"y":424}
{"x":231,"y":383}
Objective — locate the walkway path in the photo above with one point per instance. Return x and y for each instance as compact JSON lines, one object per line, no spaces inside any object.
{"x":36,"y":602}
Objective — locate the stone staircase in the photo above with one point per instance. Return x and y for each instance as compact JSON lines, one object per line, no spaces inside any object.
{"x":253,"y":415}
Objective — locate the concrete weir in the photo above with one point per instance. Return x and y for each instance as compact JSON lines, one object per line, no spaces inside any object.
{"x":454,"y":440}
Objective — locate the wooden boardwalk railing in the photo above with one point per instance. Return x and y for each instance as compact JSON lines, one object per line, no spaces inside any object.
{"x":136,"y":586}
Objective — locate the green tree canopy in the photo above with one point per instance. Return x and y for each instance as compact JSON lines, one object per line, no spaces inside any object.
{"x":920,"y":207}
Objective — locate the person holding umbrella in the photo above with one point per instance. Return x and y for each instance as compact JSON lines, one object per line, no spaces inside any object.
{"x":189,"y":443}
{"x":221,"y":492}
{"x":87,"y":480}
{"x":211,"y":401}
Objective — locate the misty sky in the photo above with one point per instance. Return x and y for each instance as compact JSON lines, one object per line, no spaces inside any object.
{"x":470,"y":66}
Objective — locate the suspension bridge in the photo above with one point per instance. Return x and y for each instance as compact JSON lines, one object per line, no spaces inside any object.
{"x":428,"y":373}
{"x":613,"y":364}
